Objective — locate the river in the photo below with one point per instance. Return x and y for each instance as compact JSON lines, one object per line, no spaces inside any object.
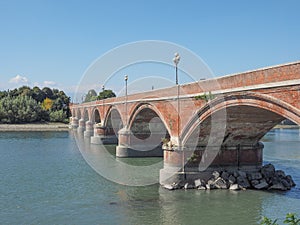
{"x":45,"y":180}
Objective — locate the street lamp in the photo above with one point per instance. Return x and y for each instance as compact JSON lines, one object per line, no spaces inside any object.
{"x":103,"y":103}
{"x":126,"y":79}
{"x":176,"y":60}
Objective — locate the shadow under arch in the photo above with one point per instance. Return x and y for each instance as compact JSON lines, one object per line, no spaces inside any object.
{"x":96,"y":116}
{"x":249,"y":116}
{"x":113,"y":121}
{"x":85,"y":115}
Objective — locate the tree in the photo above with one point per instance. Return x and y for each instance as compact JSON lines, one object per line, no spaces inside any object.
{"x":48,"y":92}
{"x":106,"y":94}
{"x":38,"y":94}
{"x":90,"y":96}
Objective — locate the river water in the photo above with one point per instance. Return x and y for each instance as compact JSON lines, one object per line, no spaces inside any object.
{"x":45,"y":180}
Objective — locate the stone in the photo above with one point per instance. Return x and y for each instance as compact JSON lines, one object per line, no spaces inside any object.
{"x":235,"y":174}
{"x":220,"y":183}
{"x":169,"y":187}
{"x":198,"y":183}
{"x":225,"y":175}
{"x":290,"y":180}
{"x":215,"y":174}
{"x":262,"y":185}
{"x":201,"y":188}
{"x":254,"y":176}
{"x":188,"y":186}
{"x":242,"y":174}
{"x":268,"y":171}
{"x":254,"y":182}
{"x":243,"y":182}
{"x":278,"y":186}
{"x":231,"y":179}
{"x":286,"y":184}
{"x":234,"y":187}
{"x":280,"y":173}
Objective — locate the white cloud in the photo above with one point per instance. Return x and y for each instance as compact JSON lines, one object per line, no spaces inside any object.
{"x":18,"y":80}
{"x":49,"y":83}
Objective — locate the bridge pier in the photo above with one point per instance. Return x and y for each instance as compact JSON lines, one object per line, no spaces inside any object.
{"x":89,"y":129}
{"x":74,"y":122}
{"x":81,"y":127}
{"x":101,"y":138}
{"x":188,"y":165}
{"x":130,"y":146}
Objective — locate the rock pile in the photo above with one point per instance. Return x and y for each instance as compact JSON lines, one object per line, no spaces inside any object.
{"x":266,"y":179}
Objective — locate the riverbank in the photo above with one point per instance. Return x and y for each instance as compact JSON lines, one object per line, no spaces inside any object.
{"x":283,"y":126}
{"x":34,"y":127}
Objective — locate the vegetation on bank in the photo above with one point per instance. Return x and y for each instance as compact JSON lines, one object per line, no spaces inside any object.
{"x":26,"y":105}
{"x":92,"y":95}
{"x":291,"y":219}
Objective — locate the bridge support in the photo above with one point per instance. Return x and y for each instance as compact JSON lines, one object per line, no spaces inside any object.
{"x":187,"y":166}
{"x":81,"y":127}
{"x":89,"y":129}
{"x":101,"y":138}
{"x":74,"y":122}
{"x":131,"y":146}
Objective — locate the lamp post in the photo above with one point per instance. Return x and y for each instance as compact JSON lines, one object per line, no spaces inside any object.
{"x":176,"y":60}
{"x":103,"y":103}
{"x":126,"y":79}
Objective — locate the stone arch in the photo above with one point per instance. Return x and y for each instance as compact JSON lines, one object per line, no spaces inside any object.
{"x":139,"y":122}
{"x":249,"y":116}
{"x":113,"y":121}
{"x":85,"y":114}
{"x":78,"y":114}
{"x":96,"y":116}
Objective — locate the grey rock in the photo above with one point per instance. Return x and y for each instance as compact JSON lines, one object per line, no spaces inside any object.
{"x":197,"y":183}
{"x":290,"y":180}
{"x":268,"y":171}
{"x":278,"y":186}
{"x":243,"y":182}
{"x":235,"y":174}
{"x":254,"y":182}
{"x":169,"y":187}
{"x":286,"y":184}
{"x":225,"y":175}
{"x":231,"y":179}
{"x":188,"y":186}
{"x":234,"y":187}
{"x":254,"y":176}
{"x":242,"y":174}
{"x":215,"y":174}
{"x":220,"y":183}
{"x":280,"y":173}
{"x":201,"y":188}
{"x":262,"y":185}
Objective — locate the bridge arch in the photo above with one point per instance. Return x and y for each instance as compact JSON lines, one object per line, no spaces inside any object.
{"x":96,"y":116}
{"x":113,"y":121}
{"x":248,"y":118}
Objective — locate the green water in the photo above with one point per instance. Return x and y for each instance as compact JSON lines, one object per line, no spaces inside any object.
{"x":45,"y":180}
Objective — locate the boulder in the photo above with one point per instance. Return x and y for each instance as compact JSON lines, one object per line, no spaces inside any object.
{"x":235,"y":174}
{"x":169,"y":187}
{"x":215,"y":174}
{"x":280,"y":173}
{"x":225,"y":175}
{"x":231,"y":179}
{"x":278,"y":186}
{"x":242,"y":173}
{"x":188,"y":186}
{"x":220,"y":183}
{"x":198,"y":183}
{"x":262,"y":185}
{"x":286,"y":184}
{"x":290,"y":180}
{"x":254,"y":182}
{"x":254,"y":176}
{"x":268,"y":171}
{"x":234,"y":187}
{"x":243,"y":182}
{"x":201,"y":188}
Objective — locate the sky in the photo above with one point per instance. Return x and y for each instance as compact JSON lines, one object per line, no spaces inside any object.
{"x":54,"y":42}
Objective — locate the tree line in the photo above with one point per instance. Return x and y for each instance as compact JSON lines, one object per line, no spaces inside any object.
{"x":28,"y":105}
{"x":104,"y":94}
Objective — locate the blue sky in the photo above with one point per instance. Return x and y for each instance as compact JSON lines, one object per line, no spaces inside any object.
{"x":52,"y":43}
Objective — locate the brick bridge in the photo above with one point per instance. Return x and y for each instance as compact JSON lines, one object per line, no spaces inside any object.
{"x":196,"y":126}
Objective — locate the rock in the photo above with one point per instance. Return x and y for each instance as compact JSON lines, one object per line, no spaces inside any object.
{"x":231,"y":179}
{"x":235,"y":174}
{"x":169,"y":187}
{"x":234,"y":187}
{"x":278,"y":186}
{"x":243,"y":182}
{"x":268,"y":171}
{"x":286,"y":184}
{"x":262,"y":185}
{"x":220,"y":183}
{"x":242,"y":174}
{"x":215,"y":174}
{"x":198,"y":183}
{"x":254,"y":176}
{"x":225,"y":175}
{"x":188,"y":186}
{"x":201,"y":188}
{"x":254,"y":182}
{"x":274,"y":180}
{"x":280,"y":173}
{"x":290,"y":180}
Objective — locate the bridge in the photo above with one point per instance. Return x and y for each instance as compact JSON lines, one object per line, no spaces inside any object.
{"x":199,"y":126}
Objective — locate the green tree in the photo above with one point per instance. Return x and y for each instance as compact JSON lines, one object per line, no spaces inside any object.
{"x":90,"y":96}
{"x":106,"y":94}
